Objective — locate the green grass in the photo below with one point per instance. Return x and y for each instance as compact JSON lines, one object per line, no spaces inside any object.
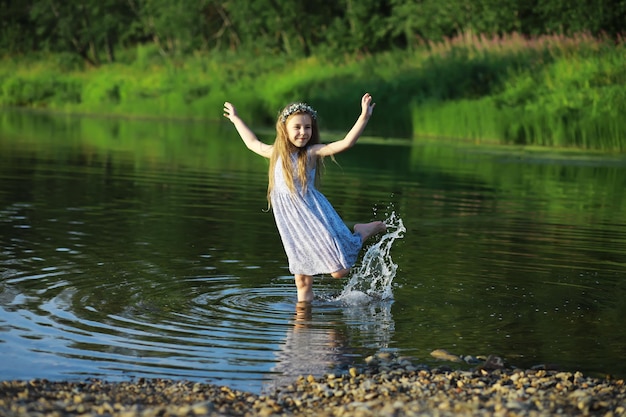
{"x":558,"y":92}
{"x":547,"y":91}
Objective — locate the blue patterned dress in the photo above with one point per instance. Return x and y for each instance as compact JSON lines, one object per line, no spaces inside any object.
{"x":315,"y":238}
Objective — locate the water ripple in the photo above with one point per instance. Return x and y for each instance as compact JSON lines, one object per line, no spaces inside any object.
{"x":119,"y":263}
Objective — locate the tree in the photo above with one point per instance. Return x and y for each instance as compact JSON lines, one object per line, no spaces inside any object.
{"x":291,"y":27}
{"x":360,"y":26}
{"x":95,"y":29}
{"x":181,"y":26}
{"x":594,"y":16}
{"x":419,"y":20}
{"x":85,"y":27}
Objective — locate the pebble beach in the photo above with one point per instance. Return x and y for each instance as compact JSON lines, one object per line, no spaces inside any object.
{"x":385,"y":385}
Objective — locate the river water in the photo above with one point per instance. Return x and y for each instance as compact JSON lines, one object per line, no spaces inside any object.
{"x":142,"y":248}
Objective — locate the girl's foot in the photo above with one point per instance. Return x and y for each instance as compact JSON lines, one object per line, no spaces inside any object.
{"x":367,"y":230}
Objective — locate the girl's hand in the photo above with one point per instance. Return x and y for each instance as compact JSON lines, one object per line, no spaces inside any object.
{"x":230,"y":112}
{"x":367,"y":107}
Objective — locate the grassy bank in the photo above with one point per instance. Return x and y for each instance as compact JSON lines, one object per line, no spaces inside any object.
{"x":548,"y":91}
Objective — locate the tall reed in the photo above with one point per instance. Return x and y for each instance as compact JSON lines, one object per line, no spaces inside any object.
{"x":557,"y":91}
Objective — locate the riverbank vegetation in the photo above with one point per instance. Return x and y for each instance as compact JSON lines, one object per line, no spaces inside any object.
{"x":542,"y":73}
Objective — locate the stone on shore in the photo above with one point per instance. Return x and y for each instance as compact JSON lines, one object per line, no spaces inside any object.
{"x":385,"y":386}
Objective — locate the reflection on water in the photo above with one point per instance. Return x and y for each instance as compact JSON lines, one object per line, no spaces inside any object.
{"x":135,"y":248}
{"x":310,"y":348}
{"x":316,"y":346}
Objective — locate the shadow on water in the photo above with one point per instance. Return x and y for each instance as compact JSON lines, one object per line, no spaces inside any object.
{"x":137,"y":248}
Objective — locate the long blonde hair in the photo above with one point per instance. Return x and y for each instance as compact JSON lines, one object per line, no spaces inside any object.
{"x":283,"y":149}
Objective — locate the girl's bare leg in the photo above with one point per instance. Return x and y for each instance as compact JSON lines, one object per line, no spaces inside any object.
{"x":304,"y":285}
{"x":367,"y":230}
{"x":340,"y":274}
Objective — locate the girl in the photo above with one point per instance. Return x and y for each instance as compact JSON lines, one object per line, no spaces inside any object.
{"x":315,"y":238}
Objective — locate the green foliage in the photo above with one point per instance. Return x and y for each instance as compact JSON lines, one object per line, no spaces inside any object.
{"x":38,"y":92}
{"x":551,"y":90}
{"x":554,"y":92}
{"x":357,"y":26}
{"x":147,"y":56}
{"x":16,"y":33}
{"x":575,"y":101}
{"x":429,"y":19}
{"x":594,"y":16}
{"x":176,"y":28}
{"x":91,"y":28}
{"x":96,"y":30}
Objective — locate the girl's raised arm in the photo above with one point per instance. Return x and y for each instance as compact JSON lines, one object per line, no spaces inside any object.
{"x":248,"y":137}
{"x":367,"y":107}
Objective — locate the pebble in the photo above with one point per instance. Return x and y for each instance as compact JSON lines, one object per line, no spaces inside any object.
{"x":384,"y":386}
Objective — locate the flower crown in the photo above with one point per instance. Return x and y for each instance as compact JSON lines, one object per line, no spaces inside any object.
{"x":297,"y":108}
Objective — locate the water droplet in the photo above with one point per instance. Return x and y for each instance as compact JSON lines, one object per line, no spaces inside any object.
{"x":374,"y":276}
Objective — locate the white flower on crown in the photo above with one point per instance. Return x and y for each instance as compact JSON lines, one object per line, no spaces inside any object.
{"x":297,"y":108}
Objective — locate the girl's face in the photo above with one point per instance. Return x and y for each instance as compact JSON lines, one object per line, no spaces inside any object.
{"x":299,"y":129}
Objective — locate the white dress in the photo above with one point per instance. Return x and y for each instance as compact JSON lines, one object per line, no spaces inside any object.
{"x":315,"y":238}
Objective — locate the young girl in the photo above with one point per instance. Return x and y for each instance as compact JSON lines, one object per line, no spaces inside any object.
{"x":315,"y":238}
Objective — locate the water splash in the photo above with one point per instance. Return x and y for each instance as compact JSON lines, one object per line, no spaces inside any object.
{"x":372,"y":278}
